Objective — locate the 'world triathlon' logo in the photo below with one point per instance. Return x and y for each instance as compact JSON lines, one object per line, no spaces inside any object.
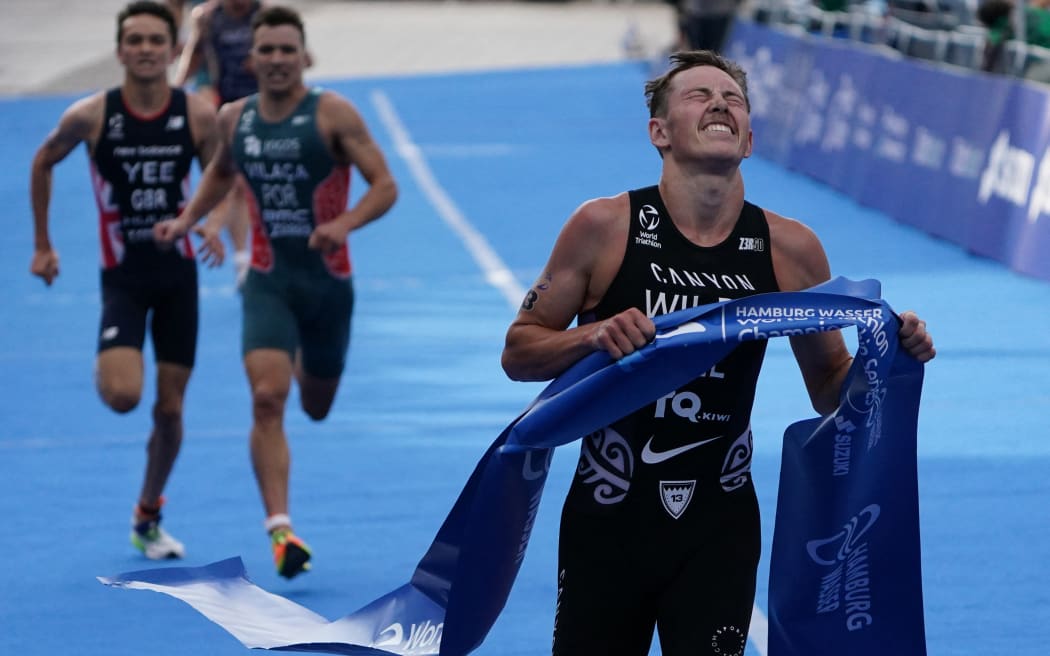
{"x":649,"y":217}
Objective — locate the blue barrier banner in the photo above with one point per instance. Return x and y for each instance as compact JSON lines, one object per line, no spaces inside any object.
{"x":462,"y":582}
{"x":960,"y":154}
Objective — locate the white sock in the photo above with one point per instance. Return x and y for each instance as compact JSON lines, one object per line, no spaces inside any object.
{"x":277,"y":521}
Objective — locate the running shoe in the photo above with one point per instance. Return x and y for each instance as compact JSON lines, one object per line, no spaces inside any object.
{"x":151,"y":539}
{"x":290,"y":554}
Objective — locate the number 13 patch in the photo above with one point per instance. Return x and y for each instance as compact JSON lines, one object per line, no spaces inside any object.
{"x":676,"y":496}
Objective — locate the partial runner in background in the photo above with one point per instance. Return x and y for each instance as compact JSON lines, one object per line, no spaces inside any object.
{"x":216,"y":59}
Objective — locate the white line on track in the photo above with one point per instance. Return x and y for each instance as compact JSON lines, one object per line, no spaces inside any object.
{"x":496,"y":272}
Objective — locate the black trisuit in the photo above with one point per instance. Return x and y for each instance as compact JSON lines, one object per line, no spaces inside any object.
{"x":661,"y":524}
{"x":140,"y":172}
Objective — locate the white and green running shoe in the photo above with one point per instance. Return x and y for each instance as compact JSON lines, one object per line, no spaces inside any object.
{"x":152,"y":540}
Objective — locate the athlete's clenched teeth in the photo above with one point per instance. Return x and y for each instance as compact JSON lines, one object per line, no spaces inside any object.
{"x":718,"y":127}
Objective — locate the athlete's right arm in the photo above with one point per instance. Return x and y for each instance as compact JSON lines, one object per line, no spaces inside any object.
{"x":582,"y":265}
{"x":77,"y":124}
{"x":216,"y":181}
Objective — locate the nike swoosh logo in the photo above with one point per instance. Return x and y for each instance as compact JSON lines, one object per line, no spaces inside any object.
{"x":685,"y":328}
{"x":651,"y":457}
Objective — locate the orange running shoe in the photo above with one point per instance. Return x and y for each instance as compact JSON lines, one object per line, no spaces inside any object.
{"x":290,"y":554}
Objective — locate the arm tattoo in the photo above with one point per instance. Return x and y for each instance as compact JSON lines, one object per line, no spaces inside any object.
{"x":530,"y":299}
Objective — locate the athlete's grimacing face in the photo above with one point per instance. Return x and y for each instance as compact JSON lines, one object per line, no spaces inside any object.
{"x":707,"y":115}
{"x":145,"y":48}
{"x":278,"y":57}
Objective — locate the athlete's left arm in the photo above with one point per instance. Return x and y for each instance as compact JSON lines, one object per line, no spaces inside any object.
{"x":351,"y":144}
{"x":800,"y":262}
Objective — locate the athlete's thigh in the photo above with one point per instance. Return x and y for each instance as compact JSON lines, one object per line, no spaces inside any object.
{"x":325,"y":333}
{"x":123,"y":320}
{"x":122,"y":332}
{"x":706,"y":611}
{"x":316,"y":395}
{"x":267,"y":320}
{"x":119,"y":375}
{"x":175,"y":319}
{"x":603,"y":605}
{"x":269,"y":374}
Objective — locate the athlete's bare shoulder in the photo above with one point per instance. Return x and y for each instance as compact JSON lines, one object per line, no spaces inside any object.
{"x":328,"y":100}
{"x":337,"y":115}
{"x":792,"y":233}
{"x":348,"y":138}
{"x":84,"y":117}
{"x":229,"y":114}
{"x":799,"y":260}
{"x":604,"y":216}
{"x":592,"y":243}
{"x":202,"y":114}
{"x":198,"y":104}
{"x":80,"y":122}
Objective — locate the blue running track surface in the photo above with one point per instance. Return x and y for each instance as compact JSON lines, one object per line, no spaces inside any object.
{"x":490,"y":165}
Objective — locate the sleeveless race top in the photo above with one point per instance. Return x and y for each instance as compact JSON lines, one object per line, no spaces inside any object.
{"x":698,"y":435}
{"x":140,"y":171}
{"x":231,"y":40}
{"x":295,"y":183}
